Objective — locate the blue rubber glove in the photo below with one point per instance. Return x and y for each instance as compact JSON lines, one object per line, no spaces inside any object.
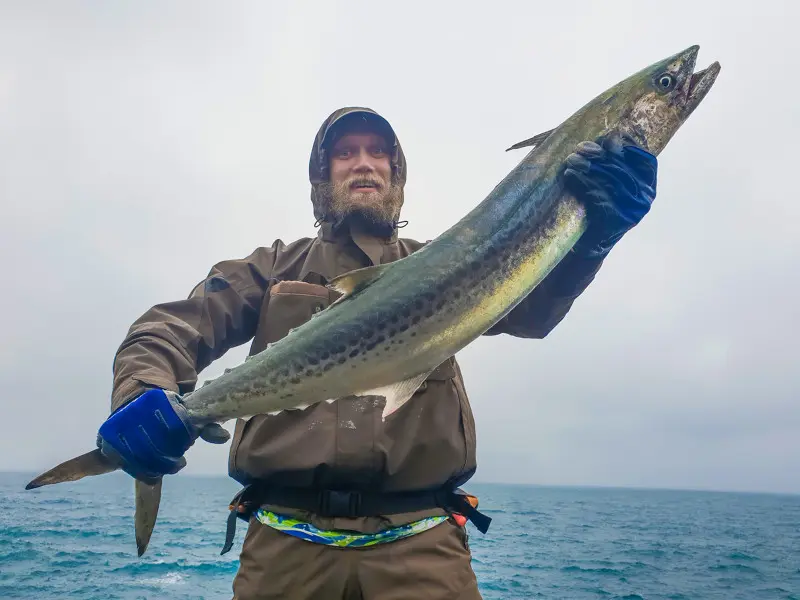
{"x":616,"y":180}
{"x":149,"y":435}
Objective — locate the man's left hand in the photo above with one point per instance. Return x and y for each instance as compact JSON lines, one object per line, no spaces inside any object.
{"x":616,"y":180}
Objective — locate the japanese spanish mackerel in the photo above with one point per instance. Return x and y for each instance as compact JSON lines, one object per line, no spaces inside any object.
{"x":395,"y":323}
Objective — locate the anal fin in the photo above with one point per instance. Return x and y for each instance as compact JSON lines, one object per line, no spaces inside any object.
{"x":397,"y":394}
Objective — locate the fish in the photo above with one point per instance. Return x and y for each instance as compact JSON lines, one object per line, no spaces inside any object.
{"x":393,"y":324}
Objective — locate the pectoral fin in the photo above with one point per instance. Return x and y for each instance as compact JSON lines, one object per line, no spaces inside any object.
{"x":351,"y":282}
{"x":397,"y":394}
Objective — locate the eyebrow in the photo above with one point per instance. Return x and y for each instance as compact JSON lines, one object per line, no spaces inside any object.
{"x":349,"y":146}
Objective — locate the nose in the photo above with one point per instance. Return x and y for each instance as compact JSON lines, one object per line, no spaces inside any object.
{"x":363,"y":163}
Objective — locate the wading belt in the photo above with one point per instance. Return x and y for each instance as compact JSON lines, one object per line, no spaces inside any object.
{"x":334,"y":503}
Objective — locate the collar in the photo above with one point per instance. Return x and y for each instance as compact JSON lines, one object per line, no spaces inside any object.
{"x":346,"y":232}
{"x":370,"y":244}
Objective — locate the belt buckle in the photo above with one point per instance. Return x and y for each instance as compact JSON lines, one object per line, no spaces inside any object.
{"x":337,"y":503}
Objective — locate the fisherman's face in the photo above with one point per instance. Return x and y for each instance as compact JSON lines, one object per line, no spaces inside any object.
{"x":361,"y":183}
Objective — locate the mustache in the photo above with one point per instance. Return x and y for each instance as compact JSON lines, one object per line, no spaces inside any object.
{"x":362,"y":180}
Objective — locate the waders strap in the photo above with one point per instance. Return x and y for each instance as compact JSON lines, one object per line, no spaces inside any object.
{"x":340,"y":503}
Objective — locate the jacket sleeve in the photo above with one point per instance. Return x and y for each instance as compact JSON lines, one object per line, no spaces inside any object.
{"x":172,"y":342}
{"x":545,"y":307}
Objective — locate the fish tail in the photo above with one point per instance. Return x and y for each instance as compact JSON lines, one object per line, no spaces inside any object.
{"x":85,"y":465}
{"x":147,"y":495}
{"x":148,"y":498}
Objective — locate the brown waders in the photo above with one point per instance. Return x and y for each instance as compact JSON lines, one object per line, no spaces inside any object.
{"x":432,"y":565}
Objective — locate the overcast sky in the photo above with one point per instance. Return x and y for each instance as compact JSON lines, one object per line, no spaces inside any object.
{"x":141,"y":142}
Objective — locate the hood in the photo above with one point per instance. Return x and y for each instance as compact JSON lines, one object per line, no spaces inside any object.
{"x":318,"y":163}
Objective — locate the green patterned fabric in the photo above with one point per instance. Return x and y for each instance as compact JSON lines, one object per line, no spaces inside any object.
{"x":344,"y":539}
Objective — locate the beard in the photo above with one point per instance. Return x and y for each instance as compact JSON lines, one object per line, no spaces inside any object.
{"x":375,"y":210}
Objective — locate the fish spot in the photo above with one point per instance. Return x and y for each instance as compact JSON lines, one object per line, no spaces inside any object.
{"x":325,"y":355}
{"x":313,"y":360}
{"x":418,"y":304}
{"x":416,"y":319}
{"x":309,"y":373}
{"x":341,"y":360}
{"x":295,"y":380}
{"x":404,"y":327}
{"x":328,"y":367}
{"x":354,"y":353}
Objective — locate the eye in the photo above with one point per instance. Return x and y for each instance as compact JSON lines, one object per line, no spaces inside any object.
{"x":665,"y":82}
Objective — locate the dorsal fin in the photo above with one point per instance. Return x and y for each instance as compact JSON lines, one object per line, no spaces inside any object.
{"x":534,"y":141}
{"x":358,"y":279}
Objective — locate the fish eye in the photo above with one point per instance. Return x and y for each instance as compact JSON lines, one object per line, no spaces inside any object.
{"x":665,"y":82}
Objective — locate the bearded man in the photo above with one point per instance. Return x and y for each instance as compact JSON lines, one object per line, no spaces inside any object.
{"x":339,"y":503}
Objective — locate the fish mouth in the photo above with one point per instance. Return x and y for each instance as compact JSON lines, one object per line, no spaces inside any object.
{"x":698,"y":83}
{"x":701,"y":81}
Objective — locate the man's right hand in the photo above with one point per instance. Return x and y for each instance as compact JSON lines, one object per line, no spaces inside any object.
{"x":149,"y":435}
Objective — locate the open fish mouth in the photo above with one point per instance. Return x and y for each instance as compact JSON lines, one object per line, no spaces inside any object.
{"x":699,"y":85}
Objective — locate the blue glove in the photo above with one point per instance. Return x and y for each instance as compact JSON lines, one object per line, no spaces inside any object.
{"x":149,"y":435}
{"x":616,"y":181}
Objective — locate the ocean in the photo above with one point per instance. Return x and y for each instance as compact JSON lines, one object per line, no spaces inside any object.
{"x":75,"y":541}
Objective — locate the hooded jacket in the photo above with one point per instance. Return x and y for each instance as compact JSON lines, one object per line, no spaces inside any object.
{"x":428,"y":443}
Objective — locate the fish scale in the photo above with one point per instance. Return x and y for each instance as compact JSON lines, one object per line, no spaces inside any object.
{"x":394,"y":324}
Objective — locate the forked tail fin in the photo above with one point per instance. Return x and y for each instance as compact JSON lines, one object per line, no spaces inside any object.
{"x":147,"y":496}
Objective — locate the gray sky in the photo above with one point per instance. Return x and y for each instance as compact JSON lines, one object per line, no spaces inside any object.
{"x":140,"y":143}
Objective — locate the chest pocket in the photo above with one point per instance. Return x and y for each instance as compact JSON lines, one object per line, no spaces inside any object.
{"x":289,"y":304}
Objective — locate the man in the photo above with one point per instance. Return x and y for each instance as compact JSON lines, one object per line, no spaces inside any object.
{"x":311,"y":474}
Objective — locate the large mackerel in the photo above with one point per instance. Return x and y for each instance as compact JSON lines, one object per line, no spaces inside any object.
{"x":395,"y":323}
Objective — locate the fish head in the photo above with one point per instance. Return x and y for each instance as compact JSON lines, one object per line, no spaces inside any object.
{"x":656,"y":101}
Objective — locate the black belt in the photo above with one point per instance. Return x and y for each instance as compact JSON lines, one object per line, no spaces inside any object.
{"x":336,"y":503}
